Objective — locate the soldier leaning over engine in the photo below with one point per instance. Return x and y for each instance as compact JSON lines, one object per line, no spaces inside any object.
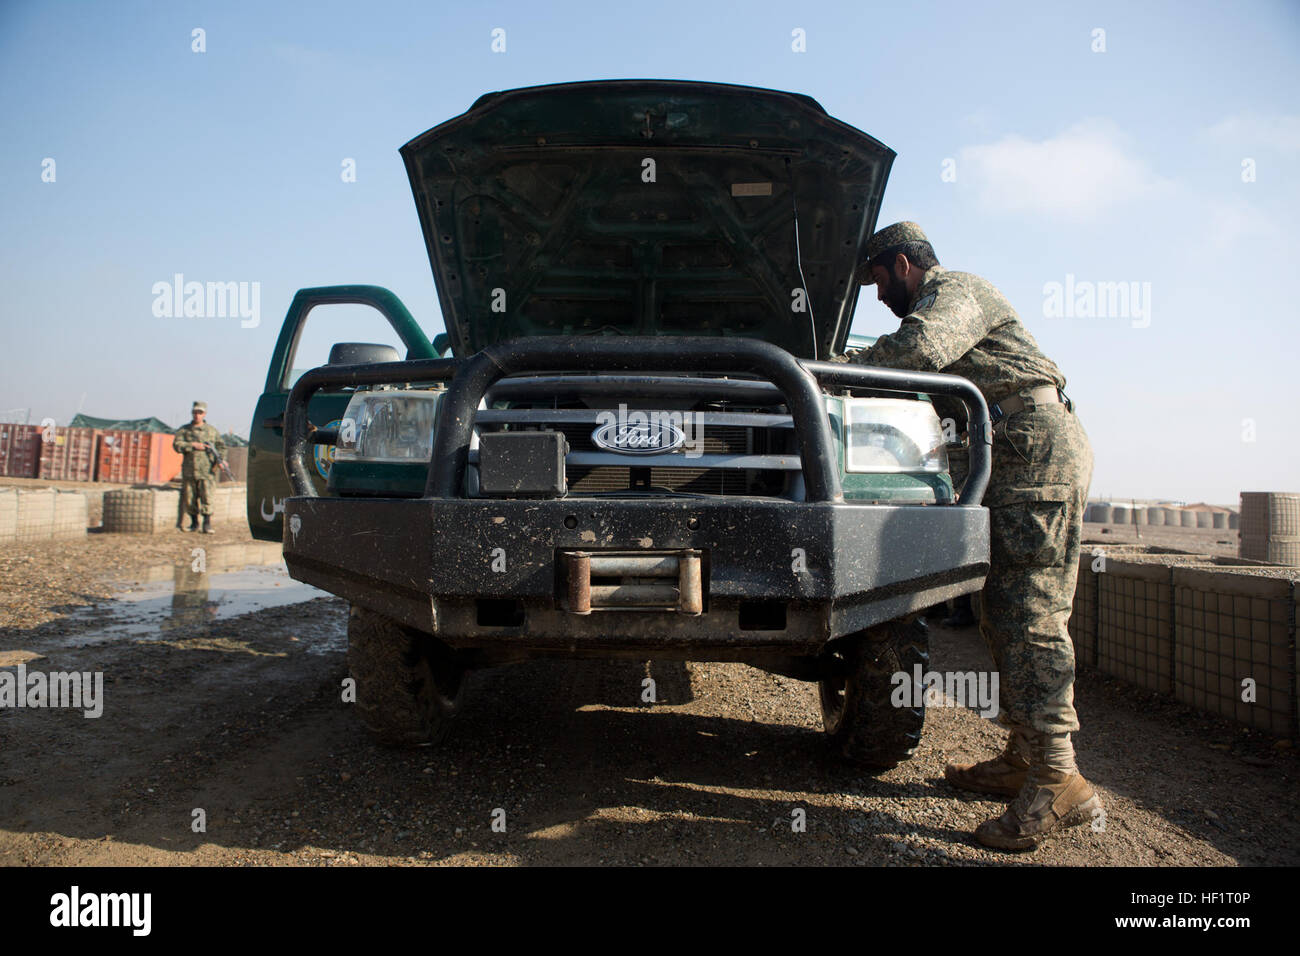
{"x":1042,"y":464}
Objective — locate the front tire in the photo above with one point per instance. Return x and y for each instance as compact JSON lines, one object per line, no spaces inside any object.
{"x":408,"y":684}
{"x":862,"y":723}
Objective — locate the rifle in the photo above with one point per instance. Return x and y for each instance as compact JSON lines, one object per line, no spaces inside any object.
{"x":217,"y":461}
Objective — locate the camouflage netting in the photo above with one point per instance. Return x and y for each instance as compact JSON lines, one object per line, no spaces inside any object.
{"x":150,"y":424}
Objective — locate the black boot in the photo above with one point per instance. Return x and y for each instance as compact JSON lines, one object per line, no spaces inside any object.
{"x":207,"y":525}
{"x":194,"y":523}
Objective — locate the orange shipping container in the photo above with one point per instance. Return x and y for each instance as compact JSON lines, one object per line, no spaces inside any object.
{"x":20,"y":450}
{"x":120,"y":455}
{"x":68,"y":454}
{"x":164,"y":462}
{"x":135,"y":458}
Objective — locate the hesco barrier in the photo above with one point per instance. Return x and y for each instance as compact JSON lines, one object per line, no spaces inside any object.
{"x":68,"y":454}
{"x":228,"y":503}
{"x":140,"y":510}
{"x":1195,"y":628}
{"x":1270,"y":527}
{"x":150,"y":510}
{"x":41,"y":514}
{"x":1133,"y":623}
{"x":1234,"y":627}
{"x":20,"y":450}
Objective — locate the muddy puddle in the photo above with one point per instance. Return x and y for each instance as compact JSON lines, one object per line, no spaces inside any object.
{"x":169,"y":602}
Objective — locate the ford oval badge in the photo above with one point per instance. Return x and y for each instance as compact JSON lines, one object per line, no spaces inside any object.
{"x":639,"y":437}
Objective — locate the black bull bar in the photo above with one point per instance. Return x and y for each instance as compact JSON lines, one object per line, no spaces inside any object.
{"x":797,"y":380}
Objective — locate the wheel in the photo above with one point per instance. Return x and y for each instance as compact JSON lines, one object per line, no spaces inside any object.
{"x":409,"y":685}
{"x":862,"y":723}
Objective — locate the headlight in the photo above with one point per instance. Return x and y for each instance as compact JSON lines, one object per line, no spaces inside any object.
{"x":893,"y":435}
{"x":395,"y":425}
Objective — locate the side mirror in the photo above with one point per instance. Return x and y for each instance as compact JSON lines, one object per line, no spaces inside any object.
{"x":361,"y":353}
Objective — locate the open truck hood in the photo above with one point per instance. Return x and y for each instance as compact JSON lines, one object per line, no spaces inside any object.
{"x":542,"y":215}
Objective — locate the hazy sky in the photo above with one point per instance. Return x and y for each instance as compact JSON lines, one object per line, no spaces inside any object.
{"x":1155,"y":145}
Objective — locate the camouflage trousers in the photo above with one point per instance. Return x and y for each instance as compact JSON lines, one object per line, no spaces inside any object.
{"x":1042,"y":466}
{"x":196,"y":496}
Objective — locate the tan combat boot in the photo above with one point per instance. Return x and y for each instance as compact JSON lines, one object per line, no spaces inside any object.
{"x":1003,"y":775}
{"x":1055,"y":797}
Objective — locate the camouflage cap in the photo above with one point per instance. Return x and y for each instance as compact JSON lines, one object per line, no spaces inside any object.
{"x":199,"y":407}
{"x":885,"y":239}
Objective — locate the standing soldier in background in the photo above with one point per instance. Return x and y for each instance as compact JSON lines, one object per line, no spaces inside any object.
{"x":958,"y":323}
{"x":193,"y":441}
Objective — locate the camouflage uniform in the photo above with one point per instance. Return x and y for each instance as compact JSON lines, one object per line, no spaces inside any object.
{"x":1042,"y":466}
{"x":196,"y":471}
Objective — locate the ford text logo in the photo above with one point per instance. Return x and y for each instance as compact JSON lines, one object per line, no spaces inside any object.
{"x":651,"y":437}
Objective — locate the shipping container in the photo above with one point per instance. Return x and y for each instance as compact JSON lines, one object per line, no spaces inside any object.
{"x":136,"y":458}
{"x":68,"y":454}
{"x":123,"y":456}
{"x":20,"y":450}
{"x":237,"y":458}
{"x":164,"y":461}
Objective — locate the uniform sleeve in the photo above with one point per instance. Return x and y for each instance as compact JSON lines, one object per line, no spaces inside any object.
{"x":179,"y":445}
{"x":220,"y":445}
{"x":934,"y":336}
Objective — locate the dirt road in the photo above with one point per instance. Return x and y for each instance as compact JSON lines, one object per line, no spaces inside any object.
{"x":237,"y":713}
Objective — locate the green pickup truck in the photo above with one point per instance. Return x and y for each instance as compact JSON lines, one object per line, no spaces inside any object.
{"x":630,"y":441}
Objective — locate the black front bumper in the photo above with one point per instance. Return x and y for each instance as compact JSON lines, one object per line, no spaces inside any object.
{"x":833,"y":568}
{"x":779,"y":578}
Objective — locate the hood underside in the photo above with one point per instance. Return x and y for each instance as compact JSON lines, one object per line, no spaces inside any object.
{"x":647,"y":207}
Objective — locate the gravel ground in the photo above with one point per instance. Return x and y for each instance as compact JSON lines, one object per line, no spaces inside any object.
{"x":241,"y":717}
{"x":1220,"y":541}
